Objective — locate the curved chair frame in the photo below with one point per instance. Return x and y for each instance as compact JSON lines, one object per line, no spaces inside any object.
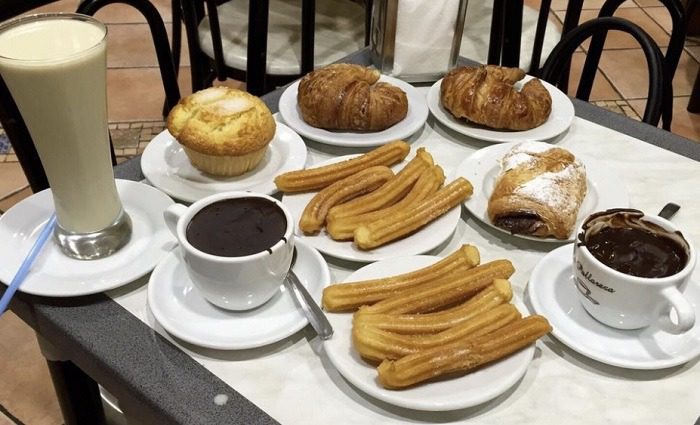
{"x":659,"y":85}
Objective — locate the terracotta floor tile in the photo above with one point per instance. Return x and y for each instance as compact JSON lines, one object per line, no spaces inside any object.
{"x":131,"y":46}
{"x":683,"y":123}
{"x":685,"y":75}
{"x":27,"y":391}
{"x":602,"y":89}
{"x":622,"y":67}
{"x":694,"y":51}
{"x":588,"y":4}
{"x":122,"y":13}
{"x":661,"y":16}
{"x":646,"y":3}
{"x":4,"y":420}
{"x":11,"y":178}
{"x":8,"y":202}
{"x":58,"y":6}
{"x":620,"y":40}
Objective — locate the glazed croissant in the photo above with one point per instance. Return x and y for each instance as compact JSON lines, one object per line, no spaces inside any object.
{"x":539,"y":191}
{"x":348,"y":97}
{"x":485,"y":95}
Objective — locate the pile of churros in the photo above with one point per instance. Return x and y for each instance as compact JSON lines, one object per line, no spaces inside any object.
{"x":451,"y":317}
{"x":363,"y":200}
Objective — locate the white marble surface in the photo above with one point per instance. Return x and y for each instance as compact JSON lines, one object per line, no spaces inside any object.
{"x":295,"y":383}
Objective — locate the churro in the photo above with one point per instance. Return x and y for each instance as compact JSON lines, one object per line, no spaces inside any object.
{"x":462,"y":356}
{"x":401,"y":224}
{"x":349,"y":296}
{"x":429,"y":182}
{"x":390,"y":193}
{"x":320,"y":177}
{"x":377,"y":345}
{"x":443,"y":292}
{"x":367,"y":180}
{"x":499,"y":292}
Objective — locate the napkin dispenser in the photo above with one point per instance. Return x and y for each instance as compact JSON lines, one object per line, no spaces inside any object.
{"x":416,"y":40}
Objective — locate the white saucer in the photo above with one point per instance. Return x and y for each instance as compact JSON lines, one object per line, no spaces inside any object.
{"x":449,"y":394}
{"x":558,"y":121}
{"x":166,"y":166}
{"x":605,"y":188}
{"x":415,"y":118}
{"x":183,"y":312}
{"x":56,"y":275}
{"x":553,"y":295}
{"x":421,"y":241}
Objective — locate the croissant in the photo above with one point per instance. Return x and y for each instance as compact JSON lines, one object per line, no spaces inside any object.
{"x":348,"y":97}
{"x":485,"y":95}
{"x":539,"y":191}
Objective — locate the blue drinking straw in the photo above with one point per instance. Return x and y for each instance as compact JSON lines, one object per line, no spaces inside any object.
{"x":27,"y":263}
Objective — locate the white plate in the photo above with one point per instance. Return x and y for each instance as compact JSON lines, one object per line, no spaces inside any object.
{"x":415,"y":118}
{"x":420,"y":242}
{"x":56,"y":275}
{"x":465,"y":391}
{"x":552,"y":292}
{"x":183,"y":312}
{"x":166,"y":166}
{"x":605,"y":188}
{"x":559,"y":119}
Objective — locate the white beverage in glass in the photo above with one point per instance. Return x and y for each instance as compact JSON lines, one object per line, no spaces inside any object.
{"x":55,"y":68}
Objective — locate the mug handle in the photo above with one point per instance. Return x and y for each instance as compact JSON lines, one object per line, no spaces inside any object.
{"x":172,"y":215}
{"x":684,"y":311}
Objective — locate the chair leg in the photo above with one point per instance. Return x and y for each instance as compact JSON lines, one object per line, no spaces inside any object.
{"x":512,"y":33}
{"x":496,"y":37}
{"x":694,"y":103}
{"x":540,"y":31}
{"x":571,"y":19}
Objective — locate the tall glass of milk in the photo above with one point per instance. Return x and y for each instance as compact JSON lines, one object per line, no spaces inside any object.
{"x":55,"y":66}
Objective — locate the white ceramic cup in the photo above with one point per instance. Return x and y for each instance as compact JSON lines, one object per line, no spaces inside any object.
{"x":233,"y":283}
{"x":624,"y":301}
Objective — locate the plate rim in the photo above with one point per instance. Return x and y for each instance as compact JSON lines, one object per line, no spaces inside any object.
{"x":151,"y":155}
{"x":395,"y":397}
{"x":497,"y":151}
{"x":154,"y":243}
{"x":565,"y":109}
{"x":288,"y":112}
{"x":544,"y":266}
{"x":174,"y":255}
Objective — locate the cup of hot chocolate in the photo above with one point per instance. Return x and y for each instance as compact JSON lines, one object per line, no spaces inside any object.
{"x":631,"y":269}
{"x":237,"y":246}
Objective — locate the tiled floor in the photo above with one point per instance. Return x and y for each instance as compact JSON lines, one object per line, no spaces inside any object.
{"x":135,"y":98}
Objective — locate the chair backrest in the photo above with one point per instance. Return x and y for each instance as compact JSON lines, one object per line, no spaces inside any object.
{"x":10,"y":117}
{"x":255,"y":74}
{"x":659,"y":85}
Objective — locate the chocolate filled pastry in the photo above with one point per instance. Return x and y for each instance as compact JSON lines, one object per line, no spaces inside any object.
{"x":486,"y":95}
{"x":538,"y":192}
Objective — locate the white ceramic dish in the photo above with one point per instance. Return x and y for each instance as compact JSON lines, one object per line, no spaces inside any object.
{"x":56,"y":275}
{"x":165,"y":165}
{"x":184,"y":313}
{"x":415,"y":118}
{"x":605,"y":188}
{"x":552,"y":292}
{"x":450,"y":394}
{"x":559,"y":119}
{"x":420,"y":242}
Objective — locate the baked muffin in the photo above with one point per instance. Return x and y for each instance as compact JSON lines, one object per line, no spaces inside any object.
{"x":224,"y":131}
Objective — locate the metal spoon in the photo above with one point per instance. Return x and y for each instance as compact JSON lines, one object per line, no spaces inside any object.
{"x":669,"y":210}
{"x":312,"y":311}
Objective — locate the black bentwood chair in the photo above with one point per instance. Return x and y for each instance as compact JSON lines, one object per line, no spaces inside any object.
{"x":268,"y":43}
{"x":660,"y":91}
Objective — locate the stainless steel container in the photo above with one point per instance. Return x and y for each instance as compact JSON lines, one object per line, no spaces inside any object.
{"x":417,"y":62}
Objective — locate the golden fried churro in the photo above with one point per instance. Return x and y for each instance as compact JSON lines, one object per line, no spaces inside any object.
{"x":367,"y":180}
{"x":429,"y":182}
{"x":377,"y":345}
{"x":388,"y":194}
{"x":349,"y":296}
{"x":408,"y":221}
{"x":499,"y":292}
{"x":463,"y":356}
{"x":320,"y":177}
{"x":443,"y":292}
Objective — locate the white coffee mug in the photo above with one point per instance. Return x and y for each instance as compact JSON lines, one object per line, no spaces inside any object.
{"x":624,"y":301}
{"x":233,"y":283}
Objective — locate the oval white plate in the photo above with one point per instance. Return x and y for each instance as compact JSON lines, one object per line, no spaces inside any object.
{"x":183,"y":312}
{"x":450,"y":394}
{"x":559,"y":119}
{"x":165,"y":165}
{"x":415,"y":118}
{"x":420,"y":242}
{"x":56,"y":275}
{"x":553,"y":294}
{"x":605,"y":188}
